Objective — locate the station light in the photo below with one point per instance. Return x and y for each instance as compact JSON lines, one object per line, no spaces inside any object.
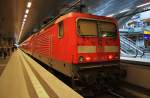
{"x":27,"y":11}
{"x":25,"y":16}
{"x":24,"y":19}
{"x":29,"y":4}
{"x":23,"y":23}
{"x":111,"y":15}
{"x":145,"y":37}
{"x":125,"y":10}
{"x":143,"y":4}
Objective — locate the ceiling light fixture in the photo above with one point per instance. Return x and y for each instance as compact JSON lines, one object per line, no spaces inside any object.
{"x":25,"y":16}
{"x":24,"y":19}
{"x":143,"y":4}
{"x":125,"y":10}
{"x":27,"y":11}
{"x":111,"y":15}
{"x":23,"y":23}
{"x":29,"y":4}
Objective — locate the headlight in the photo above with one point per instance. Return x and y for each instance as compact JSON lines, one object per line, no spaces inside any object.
{"x":110,"y":57}
{"x":88,"y":59}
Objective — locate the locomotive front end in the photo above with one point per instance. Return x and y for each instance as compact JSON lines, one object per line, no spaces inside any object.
{"x":98,"y":41}
{"x":98,"y":53}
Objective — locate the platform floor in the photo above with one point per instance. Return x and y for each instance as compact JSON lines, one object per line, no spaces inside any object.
{"x":3,"y":63}
{"x":24,"y":78}
{"x":139,"y":59}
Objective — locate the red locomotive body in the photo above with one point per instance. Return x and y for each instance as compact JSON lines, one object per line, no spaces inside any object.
{"x":26,"y":46}
{"x":76,"y":42}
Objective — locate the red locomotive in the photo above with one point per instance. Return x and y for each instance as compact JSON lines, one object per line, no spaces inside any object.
{"x":82,"y":46}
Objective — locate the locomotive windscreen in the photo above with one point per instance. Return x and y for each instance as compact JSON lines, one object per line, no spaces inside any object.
{"x":88,"y":27}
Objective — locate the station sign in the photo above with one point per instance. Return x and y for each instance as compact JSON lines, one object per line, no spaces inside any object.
{"x":146,"y":35}
{"x":147,"y":32}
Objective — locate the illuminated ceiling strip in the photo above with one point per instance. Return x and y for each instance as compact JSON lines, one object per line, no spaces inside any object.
{"x":111,"y":15}
{"x":125,"y":10}
{"x":143,"y":4}
{"x":25,"y":16}
{"x":27,"y":11}
{"x":24,"y":20}
{"x":29,"y":4}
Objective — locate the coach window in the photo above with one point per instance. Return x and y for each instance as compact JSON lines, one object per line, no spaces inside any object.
{"x":60,"y":30}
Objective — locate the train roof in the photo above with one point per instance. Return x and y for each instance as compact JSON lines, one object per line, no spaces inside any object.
{"x":78,"y":14}
{"x":72,"y":14}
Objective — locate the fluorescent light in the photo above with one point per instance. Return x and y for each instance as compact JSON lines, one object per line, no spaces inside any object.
{"x":125,"y":10}
{"x":29,"y":4}
{"x":25,"y":16}
{"x":143,"y":4}
{"x":111,"y":15}
{"x":27,"y":11}
{"x":24,"y":19}
{"x":23,"y":23}
{"x":22,"y":26}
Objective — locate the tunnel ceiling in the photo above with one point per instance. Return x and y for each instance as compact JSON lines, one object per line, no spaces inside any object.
{"x":12,"y":12}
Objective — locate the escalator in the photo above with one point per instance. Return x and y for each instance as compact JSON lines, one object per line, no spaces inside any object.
{"x":129,"y":48}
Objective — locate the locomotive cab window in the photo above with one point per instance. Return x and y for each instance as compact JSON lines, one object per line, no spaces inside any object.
{"x":87,"y":27}
{"x":60,"y":29}
{"x":107,"y":29}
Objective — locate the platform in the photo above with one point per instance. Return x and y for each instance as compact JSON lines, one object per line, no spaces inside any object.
{"x":139,"y":59}
{"x":24,"y":78}
{"x":3,"y":63}
{"x":137,"y":79}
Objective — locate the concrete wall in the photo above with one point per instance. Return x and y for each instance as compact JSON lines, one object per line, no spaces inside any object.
{"x":137,"y":74}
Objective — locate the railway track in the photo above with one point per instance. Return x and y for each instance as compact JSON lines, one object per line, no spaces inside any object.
{"x":116,"y":94}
